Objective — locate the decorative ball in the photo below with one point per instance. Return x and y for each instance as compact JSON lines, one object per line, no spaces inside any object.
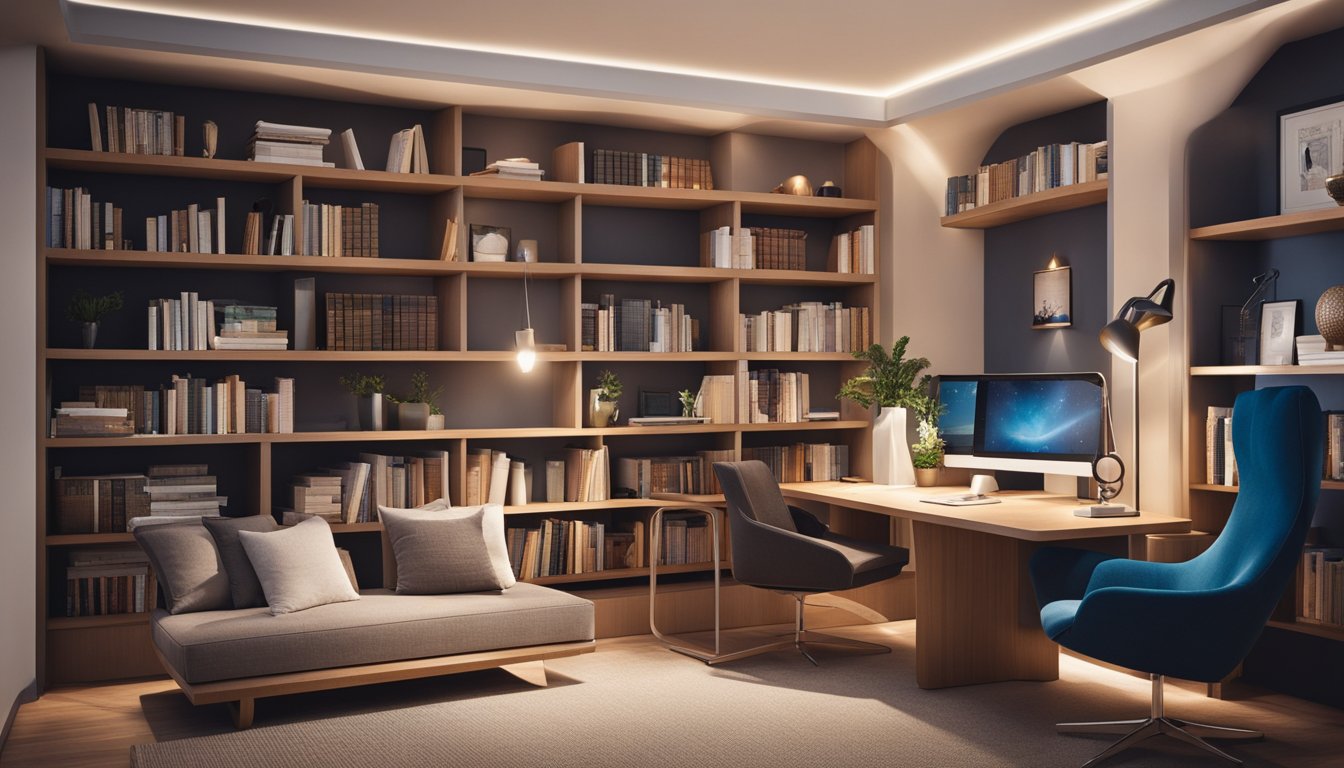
{"x":1334,"y":186}
{"x":1330,"y":316}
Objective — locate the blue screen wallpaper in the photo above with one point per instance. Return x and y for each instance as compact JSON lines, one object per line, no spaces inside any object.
{"x":957,"y":424}
{"x":1042,"y":417}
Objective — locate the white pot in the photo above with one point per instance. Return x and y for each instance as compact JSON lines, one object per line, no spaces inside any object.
{"x":891,"y":448}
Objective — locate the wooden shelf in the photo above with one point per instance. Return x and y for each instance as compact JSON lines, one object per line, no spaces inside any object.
{"x":1030,"y":206}
{"x":1328,"y":631}
{"x":1266,"y":370}
{"x":59,"y":623}
{"x":560,"y":507}
{"x":625,"y":573}
{"x":80,"y":539}
{"x":439,"y":356}
{"x":484,"y":187}
{"x":356,"y":527}
{"x":1326,"y":485}
{"x":1275,"y":227}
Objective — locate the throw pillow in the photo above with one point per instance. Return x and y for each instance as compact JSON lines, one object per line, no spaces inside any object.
{"x":441,"y":549}
{"x":187,"y":566}
{"x":243,"y":584}
{"x":298,"y":567}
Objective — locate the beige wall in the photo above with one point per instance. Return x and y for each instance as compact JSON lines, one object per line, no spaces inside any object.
{"x":18,"y":315}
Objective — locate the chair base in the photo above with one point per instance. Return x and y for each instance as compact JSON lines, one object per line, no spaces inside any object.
{"x":1157,"y":723}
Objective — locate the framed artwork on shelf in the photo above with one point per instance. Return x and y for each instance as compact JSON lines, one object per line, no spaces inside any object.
{"x":1280,"y":322}
{"x":490,"y":243}
{"x":657,"y":403}
{"x":1053,"y":297}
{"x":1311,"y":149}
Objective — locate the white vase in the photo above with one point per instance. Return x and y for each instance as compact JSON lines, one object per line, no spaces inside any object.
{"x":891,"y":448}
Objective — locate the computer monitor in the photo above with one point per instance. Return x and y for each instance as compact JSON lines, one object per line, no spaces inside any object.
{"x":1047,"y":423}
{"x":957,"y":423}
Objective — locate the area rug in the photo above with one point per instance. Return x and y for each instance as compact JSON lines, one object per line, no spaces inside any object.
{"x":634,"y":704}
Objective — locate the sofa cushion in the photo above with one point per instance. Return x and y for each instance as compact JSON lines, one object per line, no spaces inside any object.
{"x":243,"y":585}
{"x":379,"y":627}
{"x":187,"y":566}
{"x":440,"y":549}
{"x":298,"y":567}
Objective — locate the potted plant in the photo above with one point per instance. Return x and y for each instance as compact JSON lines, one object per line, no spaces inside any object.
{"x":89,"y":311}
{"x":688,"y":398}
{"x":602,"y":406}
{"x":368,"y":391}
{"x":414,"y":410}
{"x":927,"y":453}
{"x":892,"y":383}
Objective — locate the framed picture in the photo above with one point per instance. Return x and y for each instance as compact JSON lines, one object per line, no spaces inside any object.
{"x":490,"y":243}
{"x":1280,"y":324}
{"x":658,"y":403}
{"x":1053,"y":297}
{"x":1311,"y":149}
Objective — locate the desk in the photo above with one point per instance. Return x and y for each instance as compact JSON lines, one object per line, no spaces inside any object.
{"x":976,"y":619}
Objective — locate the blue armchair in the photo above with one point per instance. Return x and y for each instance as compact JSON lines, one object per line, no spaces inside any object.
{"x":1196,"y":620}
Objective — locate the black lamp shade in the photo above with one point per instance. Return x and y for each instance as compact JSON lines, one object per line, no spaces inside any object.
{"x":1121,"y":339}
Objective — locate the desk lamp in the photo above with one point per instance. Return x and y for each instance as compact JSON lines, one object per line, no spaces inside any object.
{"x":1120,"y":337}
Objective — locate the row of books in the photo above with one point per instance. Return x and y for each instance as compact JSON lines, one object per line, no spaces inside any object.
{"x":641,"y":169}
{"x":375,"y":321}
{"x":778,"y":248}
{"x":1313,"y":350}
{"x":1220,"y":462}
{"x":117,"y":503}
{"x":74,"y":220}
{"x":188,"y":323}
{"x":565,"y":547}
{"x":1322,"y":586}
{"x":384,"y":480}
{"x":1334,"y":445}
{"x":637,"y":325}
{"x":186,"y":405}
{"x":685,"y":539}
{"x":406,"y":153}
{"x":761,"y":396}
{"x":646,"y":476}
{"x":336,"y":230}
{"x":1047,"y":167}
{"x":722,"y":249}
{"x":289,"y":144}
{"x":855,"y":252}
{"x":109,"y":581}
{"x":809,"y":326}
{"x":137,"y":131}
{"x":190,"y":230}
{"x":803,"y":462}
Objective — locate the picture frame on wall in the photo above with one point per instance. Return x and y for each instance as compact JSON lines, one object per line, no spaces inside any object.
{"x":490,"y":243}
{"x":1053,"y":298}
{"x":1280,"y":325}
{"x":1311,"y":149}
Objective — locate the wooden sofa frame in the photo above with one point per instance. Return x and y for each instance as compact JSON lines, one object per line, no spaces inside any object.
{"x":241,"y":694}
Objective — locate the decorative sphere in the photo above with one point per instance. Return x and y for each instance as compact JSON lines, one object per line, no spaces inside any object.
{"x":1330,"y":316}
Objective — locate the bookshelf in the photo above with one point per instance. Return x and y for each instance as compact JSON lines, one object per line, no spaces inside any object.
{"x":1236,"y":232}
{"x":594,"y":238}
{"x":1041,"y":203}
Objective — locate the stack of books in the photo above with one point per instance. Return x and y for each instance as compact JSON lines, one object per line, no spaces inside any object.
{"x":249,"y":327}
{"x":809,"y":326}
{"x":372,"y":321}
{"x":84,"y":418}
{"x":513,"y":168}
{"x":97,"y":504}
{"x":1220,"y":463}
{"x":855,"y":251}
{"x":671,"y":474}
{"x":722,"y":249}
{"x":289,"y":144}
{"x":74,"y":220}
{"x":180,"y":492}
{"x":399,"y":481}
{"x":1313,"y":350}
{"x":319,"y":495}
{"x":637,"y":325}
{"x":137,"y":131}
{"x":803,"y":462}
{"x":189,"y":230}
{"x":341,"y":493}
{"x":108,"y":581}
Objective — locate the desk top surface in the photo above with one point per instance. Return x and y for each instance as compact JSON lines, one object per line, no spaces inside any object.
{"x":1027,"y":515}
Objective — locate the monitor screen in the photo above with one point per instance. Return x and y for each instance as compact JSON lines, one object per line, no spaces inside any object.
{"x":1049,"y":416}
{"x":957,"y":424}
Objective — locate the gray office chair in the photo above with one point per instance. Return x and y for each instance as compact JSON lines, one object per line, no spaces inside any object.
{"x":785,"y":549}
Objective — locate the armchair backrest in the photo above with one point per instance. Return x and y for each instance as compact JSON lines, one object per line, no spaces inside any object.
{"x":1278,"y":440}
{"x":750,"y":489}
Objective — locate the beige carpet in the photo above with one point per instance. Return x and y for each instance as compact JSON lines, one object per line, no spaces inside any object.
{"x":634,"y":704}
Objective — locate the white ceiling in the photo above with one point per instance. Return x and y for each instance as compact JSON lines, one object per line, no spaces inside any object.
{"x":791,"y":66}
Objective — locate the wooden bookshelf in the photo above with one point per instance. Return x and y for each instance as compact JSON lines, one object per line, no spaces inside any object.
{"x":595,"y":238}
{"x":1327,"y":631}
{"x":1275,"y":227}
{"x":1266,"y":370}
{"x":1030,"y":206}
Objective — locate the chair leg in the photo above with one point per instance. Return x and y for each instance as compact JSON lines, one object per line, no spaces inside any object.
{"x":1158,"y":723}
{"x":804,"y":637}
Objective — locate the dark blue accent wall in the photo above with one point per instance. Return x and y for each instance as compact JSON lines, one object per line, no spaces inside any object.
{"x":1013,"y":252}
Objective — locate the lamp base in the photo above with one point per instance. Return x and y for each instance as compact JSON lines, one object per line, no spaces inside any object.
{"x":1105,"y":510}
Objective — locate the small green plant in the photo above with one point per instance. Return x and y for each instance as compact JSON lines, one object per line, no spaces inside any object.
{"x":84,"y":308}
{"x":608,"y":387}
{"x":420,"y":391}
{"x":928,"y":452}
{"x":891,"y":381}
{"x":688,"y":399}
{"x":361,"y":385}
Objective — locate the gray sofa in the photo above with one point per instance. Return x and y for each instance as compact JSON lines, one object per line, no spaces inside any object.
{"x":237,"y":656}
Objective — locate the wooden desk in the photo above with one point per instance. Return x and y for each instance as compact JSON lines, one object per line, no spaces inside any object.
{"x":976,"y":619}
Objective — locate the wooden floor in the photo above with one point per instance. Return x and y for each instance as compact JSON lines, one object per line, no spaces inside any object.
{"x":95,"y":726}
